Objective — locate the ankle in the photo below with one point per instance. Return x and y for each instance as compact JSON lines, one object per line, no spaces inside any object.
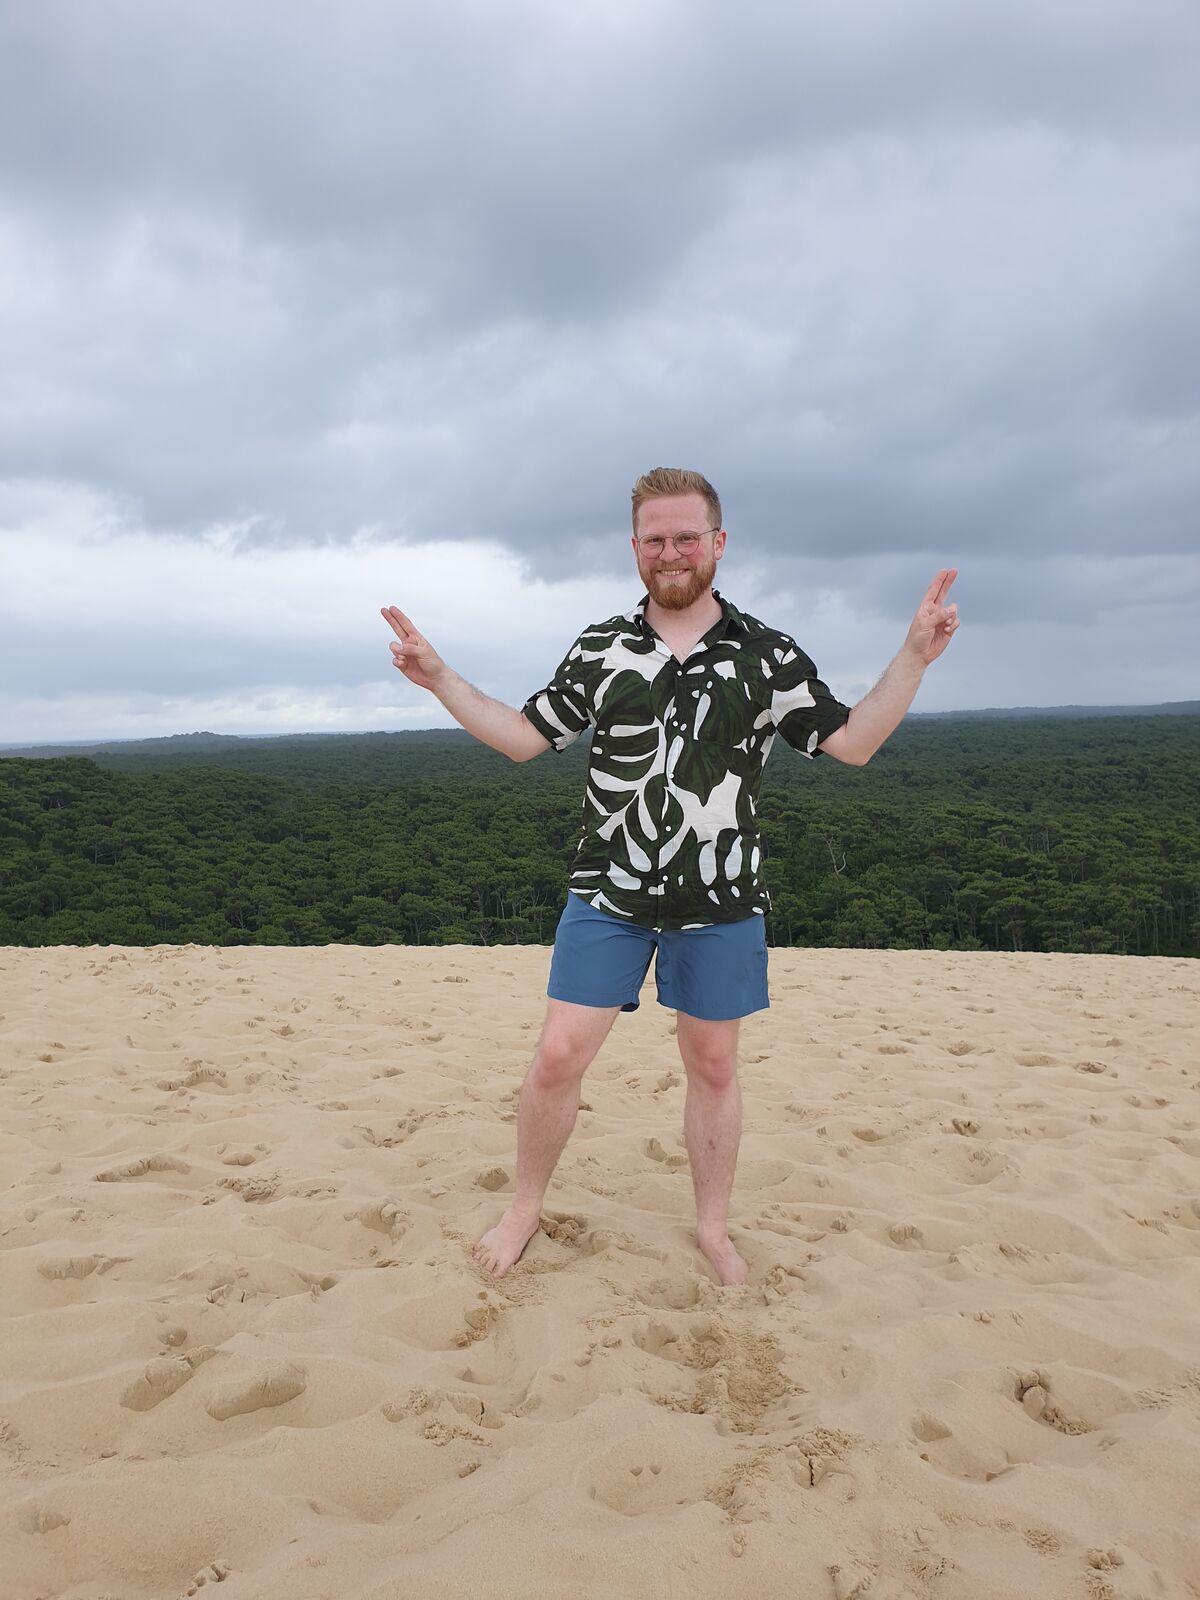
{"x":712,"y":1232}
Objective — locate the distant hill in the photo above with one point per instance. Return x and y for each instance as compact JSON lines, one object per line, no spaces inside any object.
{"x":216,"y":743}
{"x":1170,"y":708}
{"x":213,"y":743}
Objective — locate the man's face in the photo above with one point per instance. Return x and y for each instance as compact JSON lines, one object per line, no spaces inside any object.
{"x":672,"y":579}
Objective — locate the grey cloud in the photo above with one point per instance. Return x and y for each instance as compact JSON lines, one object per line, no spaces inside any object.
{"x":909,"y":283}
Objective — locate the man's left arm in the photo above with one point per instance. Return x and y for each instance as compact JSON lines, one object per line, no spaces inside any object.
{"x":879,"y":712}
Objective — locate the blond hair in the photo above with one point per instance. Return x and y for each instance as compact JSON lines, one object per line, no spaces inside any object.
{"x":662,"y":481}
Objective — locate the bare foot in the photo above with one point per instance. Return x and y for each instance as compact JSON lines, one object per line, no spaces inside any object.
{"x":724,"y":1259}
{"x":503,"y":1244}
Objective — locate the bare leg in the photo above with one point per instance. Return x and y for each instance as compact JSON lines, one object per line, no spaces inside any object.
{"x":546,"y":1111}
{"x":712,"y":1127}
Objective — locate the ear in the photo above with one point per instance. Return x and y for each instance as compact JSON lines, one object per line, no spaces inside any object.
{"x":719,"y":545}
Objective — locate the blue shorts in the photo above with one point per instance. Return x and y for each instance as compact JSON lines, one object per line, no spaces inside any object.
{"x":715,"y":973}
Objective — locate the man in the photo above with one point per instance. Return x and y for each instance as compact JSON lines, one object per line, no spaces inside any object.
{"x":685,"y":694}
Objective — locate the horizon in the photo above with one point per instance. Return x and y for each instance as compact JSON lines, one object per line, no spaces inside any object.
{"x":1165,"y":707}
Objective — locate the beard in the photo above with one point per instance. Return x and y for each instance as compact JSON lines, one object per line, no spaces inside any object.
{"x":677,"y":594}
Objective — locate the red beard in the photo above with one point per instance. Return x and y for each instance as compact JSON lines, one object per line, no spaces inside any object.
{"x":676,"y":594}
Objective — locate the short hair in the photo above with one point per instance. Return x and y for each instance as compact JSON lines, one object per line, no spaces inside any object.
{"x":662,"y":481}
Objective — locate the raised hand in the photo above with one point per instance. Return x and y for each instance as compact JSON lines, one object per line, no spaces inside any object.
{"x":935,"y":623}
{"x":414,"y":656}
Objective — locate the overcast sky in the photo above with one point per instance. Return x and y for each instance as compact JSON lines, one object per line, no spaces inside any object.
{"x":306,"y":309}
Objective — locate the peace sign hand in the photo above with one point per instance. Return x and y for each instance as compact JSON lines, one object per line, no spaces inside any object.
{"x":414,"y":656}
{"x":935,"y":623}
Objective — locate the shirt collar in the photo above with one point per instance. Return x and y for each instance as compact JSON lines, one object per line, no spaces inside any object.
{"x":733,"y":621}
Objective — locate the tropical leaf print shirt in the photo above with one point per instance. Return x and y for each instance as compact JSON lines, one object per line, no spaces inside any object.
{"x":669,"y":833}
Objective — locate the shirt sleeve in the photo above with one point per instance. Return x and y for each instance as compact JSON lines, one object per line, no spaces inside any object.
{"x":802,"y":708}
{"x":560,"y":712}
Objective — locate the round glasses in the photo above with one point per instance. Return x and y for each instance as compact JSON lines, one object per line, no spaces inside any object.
{"x":684,"y":543}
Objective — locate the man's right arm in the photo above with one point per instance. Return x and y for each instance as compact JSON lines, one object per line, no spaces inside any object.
{"x":503,"y":727}
{"x":498,"y":725}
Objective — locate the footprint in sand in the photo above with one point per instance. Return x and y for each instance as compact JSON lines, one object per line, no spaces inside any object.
{"x":197,"y":1074}
{"x":670,"y":1294}
{"x":162,"y":1377}
{"x":479,"y":1320}
{"x":272,"y":1386}
{"x":653,"y":1148}
{"x":39,"y":1519}
{"x":1116,"y":1574}
{"x":601,"y":1239}
{"x":853,"y":1582}
{"x":215,"y":1572}
{"x":1067,"y":1400}
{"x":983,"y":1165}
{"x":564,"y":1227}
{"x":254,"y":1191}
{"x":141,"y":1168}
{"x":55,"y":1267}
{"x":387,"y":1138}
{"x":738,"y":1373}
{"x":780,"y":1282}
{"x":817,"y":1460}
{"x":440,"y":1429}
{"x":979,"y":1462}
{"x":905,"y":1233}
{"x":636,"y":1478}
{"x":384,"y":1216}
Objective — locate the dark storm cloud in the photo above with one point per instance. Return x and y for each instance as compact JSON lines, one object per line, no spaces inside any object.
{"x":901,"y":279}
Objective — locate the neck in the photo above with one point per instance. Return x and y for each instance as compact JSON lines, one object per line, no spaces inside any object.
{"x":697,"y":618}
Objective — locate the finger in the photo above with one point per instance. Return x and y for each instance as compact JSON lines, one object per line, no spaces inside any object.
{"x":400,"y":624}
{"x":941,"y":584}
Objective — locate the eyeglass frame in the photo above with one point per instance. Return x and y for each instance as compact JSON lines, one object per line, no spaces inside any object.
{"x":662,"y":541}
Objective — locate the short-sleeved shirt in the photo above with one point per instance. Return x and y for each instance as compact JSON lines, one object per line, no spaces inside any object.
{"x":669,"y":834}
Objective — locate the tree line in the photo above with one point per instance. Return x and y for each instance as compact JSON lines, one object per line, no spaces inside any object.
{"x":1050,"y":834}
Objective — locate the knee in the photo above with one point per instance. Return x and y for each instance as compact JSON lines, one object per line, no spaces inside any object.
{"x":715,"y":1070}
{"x":556,"y":1063}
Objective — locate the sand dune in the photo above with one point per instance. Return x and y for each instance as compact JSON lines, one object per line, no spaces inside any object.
{"x":245,"y":1343}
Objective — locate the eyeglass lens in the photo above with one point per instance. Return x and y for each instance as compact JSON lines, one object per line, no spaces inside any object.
{"x":685,"y":543}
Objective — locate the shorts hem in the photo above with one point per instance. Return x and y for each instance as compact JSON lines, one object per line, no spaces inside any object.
{"x":555,"y":992}
{"x":710,"y":1016}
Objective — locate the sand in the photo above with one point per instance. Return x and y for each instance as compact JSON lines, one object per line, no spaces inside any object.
{"x":245,"y":1344}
